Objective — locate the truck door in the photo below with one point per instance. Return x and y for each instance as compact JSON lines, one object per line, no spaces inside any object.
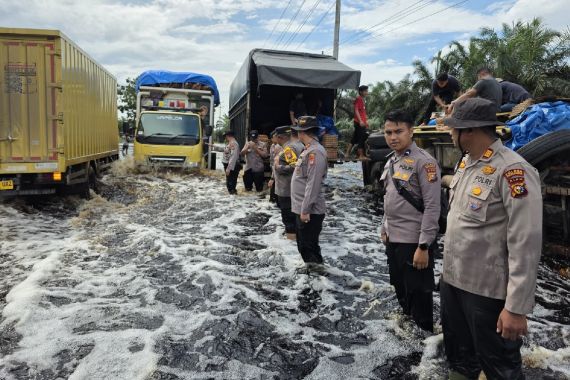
{"x":28,"y":97}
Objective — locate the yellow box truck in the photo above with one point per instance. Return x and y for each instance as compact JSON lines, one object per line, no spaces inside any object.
{"x":58,"y":114}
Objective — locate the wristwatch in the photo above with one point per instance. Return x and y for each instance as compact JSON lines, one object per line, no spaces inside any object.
{"x":423,"y":246}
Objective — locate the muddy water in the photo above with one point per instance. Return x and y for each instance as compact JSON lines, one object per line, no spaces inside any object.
{"x":166,"y":277}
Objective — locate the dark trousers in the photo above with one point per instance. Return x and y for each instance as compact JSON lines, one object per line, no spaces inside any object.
{"x":272,"y":196}
{"x":231,"y":179}
{"x":470,"y":336}
{"x":360,"y":136}
{"x":287,"y":215}
{"x":432,"y":106}
{"x":250,"y":177}
{"x":308,"y":238}
{"x":414,"y":287}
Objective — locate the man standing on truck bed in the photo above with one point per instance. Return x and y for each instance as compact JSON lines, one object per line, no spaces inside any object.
{"x":486,"y":87}
{"x":411,"y":212}
{"x":492,"y":249}
{"x":255,"y":151}
{"x":283,"y":167}
{"x":360,"y":124}
{"x":513,"y":94}
{"x":307,"y":199}
{"x":444,"y":89}
{"x":230,"y":160}
{"x":297,"y":108}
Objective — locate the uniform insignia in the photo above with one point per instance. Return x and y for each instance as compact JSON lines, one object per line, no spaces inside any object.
{"x":477,"y":191}
{"x":397,"y":175}
{"x":475,"y":205}
{"x":405,"y":177}
{"x":290,"y":156}
{"x":462,"y":165}
{"x":488,"y":153}
{"x":515,"y":178}
{"x":431,"y":172}
{"x":488,"y":170}
{"x":409,"y":161}
{"x":312,"y":159}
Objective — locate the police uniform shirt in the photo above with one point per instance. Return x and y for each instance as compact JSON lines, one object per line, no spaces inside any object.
{"x":417,"y":172}
{"x":494,"y":235}
{"x":310,"y":172}
{"x":231,"y":154}
{"x":283,"y":171}
{"x":253,"y":160}
{"x":274,"y":151}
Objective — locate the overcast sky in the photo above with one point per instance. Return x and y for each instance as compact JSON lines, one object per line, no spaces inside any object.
{"x":215,"y":36}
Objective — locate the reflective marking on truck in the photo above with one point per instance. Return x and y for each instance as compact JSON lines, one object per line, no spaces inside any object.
{"x":16,"y":168}
{"x":168,"y":117}
{"x":46,"y":165}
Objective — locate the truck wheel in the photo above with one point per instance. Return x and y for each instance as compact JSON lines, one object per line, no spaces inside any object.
{"x":375,"y":174}
{"x":545,"y":146}
{"x":90,"y":184}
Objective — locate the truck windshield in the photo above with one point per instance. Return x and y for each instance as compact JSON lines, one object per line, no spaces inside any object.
{"x":170,"y":129}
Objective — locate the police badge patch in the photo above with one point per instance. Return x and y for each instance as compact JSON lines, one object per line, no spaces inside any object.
{"x":312,"y":159}
{"x":431,"y":172}
{"x":515,"y":178}
{"x":488,"y":170}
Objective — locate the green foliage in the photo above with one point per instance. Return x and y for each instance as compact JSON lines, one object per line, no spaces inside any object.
{"x":127,"y":99}
{"x":529,"y":54}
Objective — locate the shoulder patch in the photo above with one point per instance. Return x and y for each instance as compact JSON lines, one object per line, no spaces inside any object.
{"x":431,"y":171}
{"x":516,"y":181}
{"x":312,"y":157}
{"x":462,"y":165}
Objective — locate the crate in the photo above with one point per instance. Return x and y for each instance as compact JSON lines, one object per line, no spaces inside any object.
{"x":332,"y":154}
{"x":330,"y":141}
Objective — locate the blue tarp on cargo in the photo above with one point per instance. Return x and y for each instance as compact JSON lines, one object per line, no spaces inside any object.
{"x":156,"y":77}
{"x":538,"y":120}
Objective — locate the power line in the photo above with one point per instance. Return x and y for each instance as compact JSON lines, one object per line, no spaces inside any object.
{"x":412,"y":22}
{"x":317,"y":25}
{"x":294,"y":35}
{"x":275,"y":26}
{"x":399,"y":14}
{"x":281,"y":37}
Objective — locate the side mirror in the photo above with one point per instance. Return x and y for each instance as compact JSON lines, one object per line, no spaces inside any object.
{"x":208,"y":130}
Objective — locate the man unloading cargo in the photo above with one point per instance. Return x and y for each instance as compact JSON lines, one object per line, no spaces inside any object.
{"x":297,"y":108}
{"x":443,"y":90}
{"x":486,"y":87}
{"x":513,"y":94}
{"x":255,"y":152}
{"x":360,"y":124}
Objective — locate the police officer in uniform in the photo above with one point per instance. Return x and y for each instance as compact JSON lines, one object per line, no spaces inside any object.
{"x":412,"y":206}
{"x":492,"y":249}
{"x":283,"y":167}
{"x":273,"y":152}
{"x":255,"y":152}
{"x":307,"y":199}
{"x":230,"y":160}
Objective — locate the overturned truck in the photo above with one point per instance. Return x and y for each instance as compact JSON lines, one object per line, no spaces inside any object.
{"x":549,"y":153}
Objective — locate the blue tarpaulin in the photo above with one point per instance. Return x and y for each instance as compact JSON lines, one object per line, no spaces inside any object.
{"x":156,"y":77}
{"x":538,"y":120}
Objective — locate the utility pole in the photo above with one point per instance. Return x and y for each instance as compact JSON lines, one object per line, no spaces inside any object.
{"x":336,"y":30}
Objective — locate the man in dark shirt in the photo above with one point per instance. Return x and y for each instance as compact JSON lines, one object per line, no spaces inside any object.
{"x":444,"y":89}
{"x":297,"y":108}
{"x":513,"y":94}
{"x":486,"y":87}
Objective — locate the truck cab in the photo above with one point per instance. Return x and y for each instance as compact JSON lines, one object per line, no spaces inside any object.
{"x":169,"y":139}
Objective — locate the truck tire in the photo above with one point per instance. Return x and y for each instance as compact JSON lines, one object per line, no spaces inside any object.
{"x":91,"y":183}
{"x":545,"y":146}
{"x":375,"y":174}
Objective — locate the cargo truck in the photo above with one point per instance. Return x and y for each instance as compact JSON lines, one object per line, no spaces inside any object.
{"x":58,"y":114}
{"x":174,"y":119}
{"x":269,"y":80}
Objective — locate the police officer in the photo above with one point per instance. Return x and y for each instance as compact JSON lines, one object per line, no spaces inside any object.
{"x":255,"y":152}
{"x":492,"y":249}
{"x":283,"y":168}
{"x":411,"y":212}
{"x":307,"y":200}
{"x":230,"y":160}
{"x":273,"y":152}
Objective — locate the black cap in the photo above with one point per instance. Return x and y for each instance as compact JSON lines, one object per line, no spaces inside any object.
{"x":473,"y":113}
{"x":253,"y":134}
{"x":362,"y":88}
{"x":306,"y":123}
{"x":284,"y":130}
{"x":228,"y":133}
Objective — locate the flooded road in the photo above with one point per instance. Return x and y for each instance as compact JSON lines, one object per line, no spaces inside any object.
{"x":168,"y":277}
